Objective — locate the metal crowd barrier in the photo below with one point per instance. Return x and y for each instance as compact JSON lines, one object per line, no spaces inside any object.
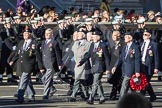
{"x":103,"y":25}
{"x":150,"y":25}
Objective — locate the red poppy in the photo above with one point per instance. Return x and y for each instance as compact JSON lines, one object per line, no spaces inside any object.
{"x":84,"y":49}
{"x":99,"y":49}
{"x":131,"y":51}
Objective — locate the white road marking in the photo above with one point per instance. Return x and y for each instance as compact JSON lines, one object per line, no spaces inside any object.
{"x":35,"y":96}
{"x":37,"y":105}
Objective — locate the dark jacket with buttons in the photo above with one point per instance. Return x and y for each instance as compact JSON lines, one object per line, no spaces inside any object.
{"x":131,"y":63}
{"x":27,"y":58}
{"x":100,"y":58}
{"x":51,"y":54}
{"x":151,"y":59}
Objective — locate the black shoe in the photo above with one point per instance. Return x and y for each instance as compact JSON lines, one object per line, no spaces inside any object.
{"x":31,"y":100}
{"x":38,"y":80}
{"x":45,"y":97}
{"x":152,"y":98}
{"x":69,"y":93}
{"x":15,"y":77}
{"x":90,"y":102}
{"x":19,"y":101}
{"x":72,"y":100}
{"x":85,"y":98}
{"x":159,"y":78}
{"x":15,"y":95}
{"x":113,"y":98}
{"x":52,"y":92}
{"x":11,"y":80}
{"x":101,"y":101}
{"x":1,"y":80}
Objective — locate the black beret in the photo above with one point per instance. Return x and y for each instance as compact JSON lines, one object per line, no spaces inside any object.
{"x":147,"y":30}
{"x":97,"y":32}
{"x":27,"y":30}
{"x":130,"y":33}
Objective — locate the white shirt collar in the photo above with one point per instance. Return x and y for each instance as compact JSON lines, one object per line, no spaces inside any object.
{"x":147,"y":41}
{"x":26,"y":44}
{"x":97,"y":43}
{"x":28,"y":41}
{"x":129,"y":44}
{"x":145,"y":49}
{"x":81,"y":41}
{"x":48,"y":40}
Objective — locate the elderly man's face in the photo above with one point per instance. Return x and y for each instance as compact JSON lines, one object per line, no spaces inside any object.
{"x":89,"y":36}
{"x":116,"y":35}
{"x":146,"y":35}
{"x":26,"y":35}
{"x":80,"y":35}
{"x":48,"y":34}
{"x":128,"y":38}
{"x":95,"y":38}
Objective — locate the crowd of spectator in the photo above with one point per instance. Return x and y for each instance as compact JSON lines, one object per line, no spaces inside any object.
{"x":49,"y":14}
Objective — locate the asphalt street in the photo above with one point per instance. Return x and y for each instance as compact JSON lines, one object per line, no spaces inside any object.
{"x":61,"y":100}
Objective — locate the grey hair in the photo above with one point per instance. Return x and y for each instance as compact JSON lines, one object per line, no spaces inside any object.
{"x":50,"y":30}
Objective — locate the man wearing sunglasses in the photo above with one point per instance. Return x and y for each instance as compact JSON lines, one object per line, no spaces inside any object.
{"x":150,"y":61}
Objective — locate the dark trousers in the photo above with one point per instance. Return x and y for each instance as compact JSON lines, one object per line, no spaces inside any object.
{"x":8,"y":69}
{"x":116,"y":81}
{"x":71,"y":83}
{"x":148,"y":88}
{"x":115,"y":88}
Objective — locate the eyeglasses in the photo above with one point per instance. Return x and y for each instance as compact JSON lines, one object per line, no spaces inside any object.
{"x":146,"y":34}
{"x":115,"y":35}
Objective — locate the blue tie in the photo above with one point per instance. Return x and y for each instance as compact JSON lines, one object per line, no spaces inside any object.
{"x":126,"y":51}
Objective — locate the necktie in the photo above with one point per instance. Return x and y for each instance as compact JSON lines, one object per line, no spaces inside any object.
{"x":24,"y":46}
{"x":79,"y":43}
{"x":116,"y":46}
{"x":126,"y":51}
{"x":46,"y":42}
{"x":95,"y":48}
{"x":142,"y":48}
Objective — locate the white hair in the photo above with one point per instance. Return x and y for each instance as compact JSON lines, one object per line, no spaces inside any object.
{"x":50,"y":30}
